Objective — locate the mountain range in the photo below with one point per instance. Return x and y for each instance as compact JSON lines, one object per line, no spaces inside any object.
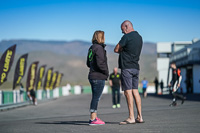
{"x":69,"y":57}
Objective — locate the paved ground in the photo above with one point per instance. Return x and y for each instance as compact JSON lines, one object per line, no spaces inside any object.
{"x":70,"y":114}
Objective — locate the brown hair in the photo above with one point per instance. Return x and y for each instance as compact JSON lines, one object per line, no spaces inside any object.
{"x":98,"y":37}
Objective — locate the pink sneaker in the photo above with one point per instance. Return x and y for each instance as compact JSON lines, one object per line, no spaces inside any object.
{"x":97,"y":121}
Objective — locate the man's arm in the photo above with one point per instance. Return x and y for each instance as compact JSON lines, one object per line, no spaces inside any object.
{"x":110,"y":82}
{"x":118,"y":48}
{"x":179,"y":81}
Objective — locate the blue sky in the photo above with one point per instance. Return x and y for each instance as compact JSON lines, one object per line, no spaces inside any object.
{"x":155,"y":20}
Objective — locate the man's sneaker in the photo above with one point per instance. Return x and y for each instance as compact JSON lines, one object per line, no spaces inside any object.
{"x":114,"y":106}
{"x":183,"y":100}
{"x":118,"y":106}
{"x":31,"y":98}
{"x":173,"y":104}
{"x":96,"y":121}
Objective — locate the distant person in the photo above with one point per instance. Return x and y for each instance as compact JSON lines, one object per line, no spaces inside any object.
{"x":189,"y":83}
{"x":32,"y":96}
{"x":175,"y":84}
{"x":129,"y":49}
{"x":161,"y":86}
{"x":115,"y":82}
{"x":97,"y":62}
{"x":144,"y":87}
{"x":21,"y":92}
{"x":82,"y":90}
{"x":156,"y":85}
{"x":68,"y":89}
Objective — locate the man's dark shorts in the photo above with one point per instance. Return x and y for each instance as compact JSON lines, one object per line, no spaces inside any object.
{"x":129,"y":79}
{"x":144,"y":89}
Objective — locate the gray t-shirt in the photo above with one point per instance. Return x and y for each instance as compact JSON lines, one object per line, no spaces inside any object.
{"x":132,"y":46}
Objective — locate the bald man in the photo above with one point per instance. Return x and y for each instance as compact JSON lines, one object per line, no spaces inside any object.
{"x":129,"y":49}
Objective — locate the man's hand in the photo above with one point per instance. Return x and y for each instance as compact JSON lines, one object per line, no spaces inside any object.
{"x":118,"y":48}
{"x":169,"y":85}
{"x":178,"y":85}
{"x":110,"y":82}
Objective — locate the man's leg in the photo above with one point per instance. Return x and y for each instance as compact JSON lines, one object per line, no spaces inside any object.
{"x":138,"y":104}
{"x":113,"y":98}
{"x":118,"y":95}
{"x":126,"y":80}
{"x":174,"y":89}
{"x":179,"y":96}
{"x":129,"y":99}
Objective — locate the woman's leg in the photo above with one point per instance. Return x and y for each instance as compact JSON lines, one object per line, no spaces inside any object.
{"x":97,"y":89}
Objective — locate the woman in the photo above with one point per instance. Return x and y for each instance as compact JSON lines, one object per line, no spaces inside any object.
{"x":97,"y":62}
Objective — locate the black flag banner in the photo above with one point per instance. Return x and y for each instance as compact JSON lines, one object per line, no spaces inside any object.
{"x":20,"y":70}
{"x":48,"y":78}
{"x":53,"y":81}
{"x":31,"y":77}
{"x":40,"y":76}
{"x":6,"y":63}
{"x":59,"y":78}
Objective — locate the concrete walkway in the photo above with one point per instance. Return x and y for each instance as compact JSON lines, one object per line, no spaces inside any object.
{"x":71,"y":114}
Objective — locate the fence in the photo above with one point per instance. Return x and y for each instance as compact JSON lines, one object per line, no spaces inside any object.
{"x":12,"y":97}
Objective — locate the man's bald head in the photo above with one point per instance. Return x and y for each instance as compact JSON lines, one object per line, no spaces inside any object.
{"x":127,"y":27}
{"x":127,"y":23}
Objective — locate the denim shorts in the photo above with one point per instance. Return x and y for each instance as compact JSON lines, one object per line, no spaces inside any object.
{"x":129,"y":79}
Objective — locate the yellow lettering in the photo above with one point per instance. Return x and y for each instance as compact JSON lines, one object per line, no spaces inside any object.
{"x":48,"y":78}
{"x":19,"y":79}
{"x":53,"y":80}
{"x":7,"y":61}
{"x":3,"y":76}
{"x":32,"y":76}
{"x":41,"y":72}
{"x":40,"y":77}
{"x":58,"y":80}
{"x":39,"y":84}
{"x":21,"y":70}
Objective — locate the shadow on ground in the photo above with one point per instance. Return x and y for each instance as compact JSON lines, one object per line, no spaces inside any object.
{"x":72,"y":122}
{"x":189,"y":97}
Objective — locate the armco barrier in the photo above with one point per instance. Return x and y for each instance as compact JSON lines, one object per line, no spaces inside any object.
{"x":1,"y":96}
{"x":12,"y":97}
{"x":86,"y":89}
{"x":60,"y":91}
{"x":56,"y":93}
{"x":7,"y":97}
{"x":39,"y":94}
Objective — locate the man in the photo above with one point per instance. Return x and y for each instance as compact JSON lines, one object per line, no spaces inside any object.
{"x":129,"y":49}
{"x":32,"y":96}
{"x":144,"y":87}
{"x":114,"y":82}
{"x":156,"y":85}
{"x":161,"y":86}
{"x":175,"y":84}
{"x":21,"y":91}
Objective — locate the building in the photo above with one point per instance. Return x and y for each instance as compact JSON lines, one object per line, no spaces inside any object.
{"x":163,"y":55}
{"x":187,"y":57}
{"x":188,"y":60}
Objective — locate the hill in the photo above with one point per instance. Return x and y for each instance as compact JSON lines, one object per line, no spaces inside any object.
{"x":69,"y":58}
